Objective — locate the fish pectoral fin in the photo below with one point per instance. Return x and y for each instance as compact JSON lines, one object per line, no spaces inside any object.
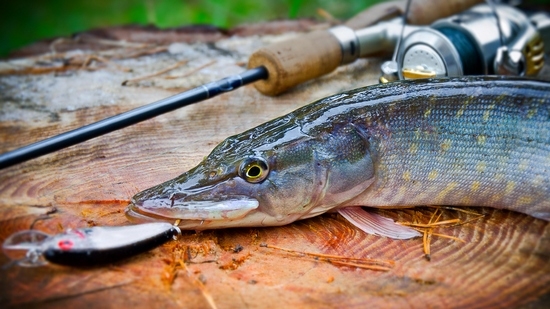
{"x":375,"y":224}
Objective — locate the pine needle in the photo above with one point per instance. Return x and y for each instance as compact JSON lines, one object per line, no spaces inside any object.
{"x":427,"y":229}
{"x":371,"y":264}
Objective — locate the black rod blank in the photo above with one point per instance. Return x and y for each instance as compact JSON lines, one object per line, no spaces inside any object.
{"x":131,"y":117}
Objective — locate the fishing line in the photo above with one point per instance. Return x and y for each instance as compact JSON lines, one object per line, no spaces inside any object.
{"x":472,"y":61}
{"x":398,"y":45}
{"x":497,"y":18}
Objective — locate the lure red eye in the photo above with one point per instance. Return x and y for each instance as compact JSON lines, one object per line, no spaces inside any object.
{"x":79,"y":234}
{"x":65,"y":244}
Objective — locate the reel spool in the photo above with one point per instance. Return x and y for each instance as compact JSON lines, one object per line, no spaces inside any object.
{"x":480,"y":41}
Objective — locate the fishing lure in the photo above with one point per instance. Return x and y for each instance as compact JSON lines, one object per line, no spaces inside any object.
{"x":86,"y":246}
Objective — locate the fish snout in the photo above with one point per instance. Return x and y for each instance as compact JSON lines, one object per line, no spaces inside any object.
{"x":147,"y":199}
{"x":199,"y":205}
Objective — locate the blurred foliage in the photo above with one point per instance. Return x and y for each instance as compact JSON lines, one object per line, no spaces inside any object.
{"x":23,"y":22}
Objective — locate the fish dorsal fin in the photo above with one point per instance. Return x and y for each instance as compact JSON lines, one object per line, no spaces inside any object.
{"x":375,"y":224}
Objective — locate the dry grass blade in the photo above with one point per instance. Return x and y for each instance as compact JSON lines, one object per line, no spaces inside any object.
{"x":192,"y":71}
{"x":426,"y":244}
{"x":364,"y":263}
{"x":449,"y":237}
{"x":327,"y":16}
{"x":91,"y":58}
{"x":165,"y":70}
{"x":199,"y":284}
{"x":143,"y":52}
{"x":359,"y":265}
{"x":119,"y":43}
{"x":427,"y":229}
{"x":179,"y":263}
{"x":457,"y":209}
{"x":99,"y":41}
{"x":431,"y":225}
{"x":65,"y":61}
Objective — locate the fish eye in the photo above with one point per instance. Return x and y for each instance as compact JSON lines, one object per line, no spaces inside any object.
{"x":254,"y":170}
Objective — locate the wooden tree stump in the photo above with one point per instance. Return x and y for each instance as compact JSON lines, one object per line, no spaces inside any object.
{"x":503,"y":262}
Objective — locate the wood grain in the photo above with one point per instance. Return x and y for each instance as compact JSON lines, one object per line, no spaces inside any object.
{"x":504,"y":261}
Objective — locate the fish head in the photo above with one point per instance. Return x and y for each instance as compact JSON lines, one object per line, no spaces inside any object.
{"x":252,"y":179}
{"x":268,"y":176}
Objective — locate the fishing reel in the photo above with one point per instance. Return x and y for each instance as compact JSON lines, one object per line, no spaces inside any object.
{"x":485,"y":40}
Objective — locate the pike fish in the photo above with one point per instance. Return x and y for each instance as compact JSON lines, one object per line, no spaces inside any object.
{"x":476,"y":141}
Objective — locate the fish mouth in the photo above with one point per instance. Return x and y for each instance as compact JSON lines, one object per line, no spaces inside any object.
{"x":166,"y":209}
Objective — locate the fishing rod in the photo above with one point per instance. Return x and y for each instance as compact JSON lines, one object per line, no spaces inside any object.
{"x":274,"y":69}
{"x":131,"y":117}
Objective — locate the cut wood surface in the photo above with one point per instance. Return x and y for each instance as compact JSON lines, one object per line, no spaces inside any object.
{"x":502,"y":261}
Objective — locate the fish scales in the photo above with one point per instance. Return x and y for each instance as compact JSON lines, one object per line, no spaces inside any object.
{"x":458,"y":143}
{"x":470,"y":141}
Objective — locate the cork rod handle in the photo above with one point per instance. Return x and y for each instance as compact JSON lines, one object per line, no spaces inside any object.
{"x":295,"y":61}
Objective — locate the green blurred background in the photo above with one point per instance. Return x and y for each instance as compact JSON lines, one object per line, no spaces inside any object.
{"x":25,"y":21}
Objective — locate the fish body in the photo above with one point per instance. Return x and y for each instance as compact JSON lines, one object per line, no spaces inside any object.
{"x":477,"y":141}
